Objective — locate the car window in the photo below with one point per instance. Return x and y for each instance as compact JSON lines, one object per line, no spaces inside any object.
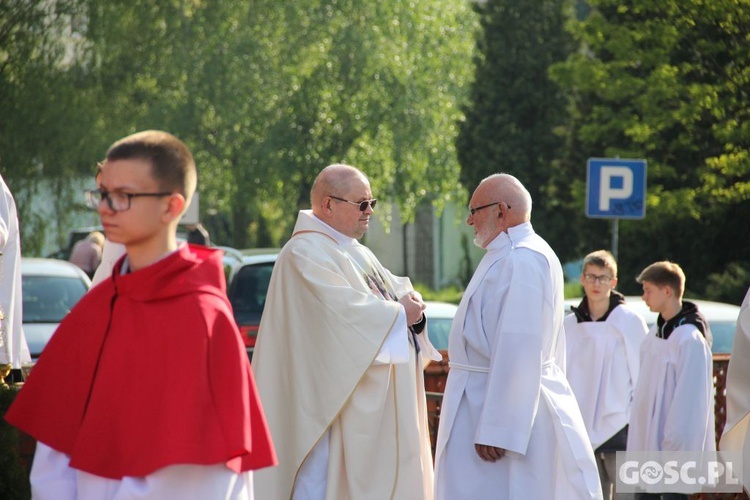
{"x":723,"y":332}
{"x":248,"y":290}
{"x":47,"y":299}
{"x":438,"y":330}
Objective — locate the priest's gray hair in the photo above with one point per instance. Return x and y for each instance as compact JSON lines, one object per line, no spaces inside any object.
{"x":510,"y":190}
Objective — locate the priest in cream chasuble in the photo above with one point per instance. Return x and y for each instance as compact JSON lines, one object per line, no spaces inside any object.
{"x":338,"y":366}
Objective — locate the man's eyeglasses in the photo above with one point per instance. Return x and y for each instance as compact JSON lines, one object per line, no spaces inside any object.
{"x":117,"y":202}
{"x":473,"y":211}
{"x":593,"y":278}
{"x":361,"y":204}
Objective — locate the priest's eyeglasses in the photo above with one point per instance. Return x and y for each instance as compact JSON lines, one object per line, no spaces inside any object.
{"x":473,"y":211}
{"x":593,"y":278}
{"x":361,"y":204}
{"x":116,"y":201}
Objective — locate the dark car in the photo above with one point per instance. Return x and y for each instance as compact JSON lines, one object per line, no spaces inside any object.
{"x":248,"y":286}
{"x":74,"y":237}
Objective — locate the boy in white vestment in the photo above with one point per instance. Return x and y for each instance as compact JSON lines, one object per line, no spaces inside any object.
{"x":603,"y":339}
{"x":673,"y":402}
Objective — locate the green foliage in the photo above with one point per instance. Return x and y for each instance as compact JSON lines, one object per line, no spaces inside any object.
{"x":665,"y":81}
{"x":731,"y":285}
{"x":47,"y":126}
{"x":515,"y":107}
{"x":267,"y":93}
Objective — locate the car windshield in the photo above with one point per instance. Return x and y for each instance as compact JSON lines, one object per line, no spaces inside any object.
{"x":248,"y":292}
{"x":47,"y":299}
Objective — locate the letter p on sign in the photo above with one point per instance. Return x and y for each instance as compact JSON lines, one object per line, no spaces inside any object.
{"x":614,"y":176}
{"x":616,"y":189}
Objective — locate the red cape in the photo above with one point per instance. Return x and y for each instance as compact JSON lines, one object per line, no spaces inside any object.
{"x":149,"y":370}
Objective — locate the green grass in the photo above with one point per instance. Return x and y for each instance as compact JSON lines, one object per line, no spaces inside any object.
{"x":450,"y":294}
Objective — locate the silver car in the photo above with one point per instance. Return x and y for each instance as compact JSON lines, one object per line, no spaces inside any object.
{"x":51,"y":288}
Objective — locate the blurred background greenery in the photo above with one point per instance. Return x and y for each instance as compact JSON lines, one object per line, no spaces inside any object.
{"x":426,"y":97}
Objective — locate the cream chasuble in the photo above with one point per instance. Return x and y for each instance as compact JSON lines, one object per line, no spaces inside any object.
{"x":320,"y":373}
{"x":13,"y":347}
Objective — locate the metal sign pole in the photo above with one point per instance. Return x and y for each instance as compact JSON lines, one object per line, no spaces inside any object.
{"x":615,"y":237}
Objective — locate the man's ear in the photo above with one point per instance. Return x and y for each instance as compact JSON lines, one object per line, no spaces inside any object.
{"x":175,"y":207}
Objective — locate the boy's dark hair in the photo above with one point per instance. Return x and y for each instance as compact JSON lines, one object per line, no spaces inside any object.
{"x":664,"y":273}
{"x":601,"y":258}
{"x":172,"y":164}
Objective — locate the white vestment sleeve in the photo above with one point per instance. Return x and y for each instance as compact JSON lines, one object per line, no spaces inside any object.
{"x":514,"y":380}
{"x":312,"y":478}
{"x":395,"y":348}
{"x":51,"y":477}
{"x":685,"y":426}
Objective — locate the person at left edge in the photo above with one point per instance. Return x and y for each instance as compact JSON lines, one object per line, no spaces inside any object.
{"x":15,"y":351}
{"x":145,"y":390}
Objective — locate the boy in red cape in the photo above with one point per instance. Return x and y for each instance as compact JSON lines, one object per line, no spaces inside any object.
{"x":145,"y":390}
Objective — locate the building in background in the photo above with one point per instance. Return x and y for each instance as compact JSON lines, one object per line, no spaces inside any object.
{"x":436,"y":250}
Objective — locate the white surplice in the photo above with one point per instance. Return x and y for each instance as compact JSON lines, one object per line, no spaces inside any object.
{"x":13,"y":347}
{"x":53,"y":479}
{"x":602,"y":368}
{"x":505,"y":387}
{"x":735,"y":436}
{"x":673,"y":402}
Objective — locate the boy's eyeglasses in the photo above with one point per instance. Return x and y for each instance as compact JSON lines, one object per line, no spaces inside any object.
{"x":117,"y":202}
{"x":593,"y":278}
{"x":361,"y":204}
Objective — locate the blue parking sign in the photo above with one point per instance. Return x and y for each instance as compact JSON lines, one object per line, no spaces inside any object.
{"x":615,"y":188}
